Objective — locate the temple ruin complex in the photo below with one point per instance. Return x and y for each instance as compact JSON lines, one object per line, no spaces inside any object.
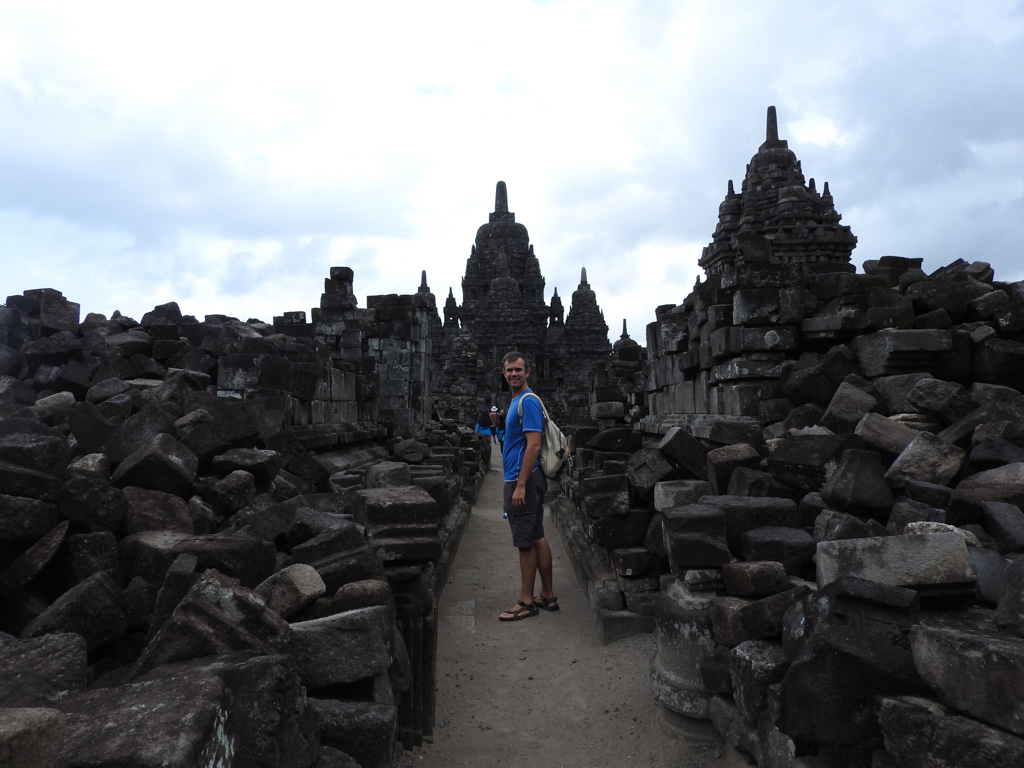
{"x":229,"y":538}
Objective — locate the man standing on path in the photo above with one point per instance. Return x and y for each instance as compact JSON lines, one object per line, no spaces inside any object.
{"x":525,"y":486}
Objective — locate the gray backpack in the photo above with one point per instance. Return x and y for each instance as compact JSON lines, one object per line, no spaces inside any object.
{"x":554,"y":448}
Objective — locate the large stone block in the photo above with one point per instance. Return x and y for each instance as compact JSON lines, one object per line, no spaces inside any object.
{"x":364,"y":730}
{"x":858,"y":485}
{"x":695,"y":537}
{"x":342,"y":648}
{"x":30,"y":737}
{"x":745,"y":513}
{"x":648,"y":467}
{"x":921,"y":733}
{"x":828,"y":693}
{"x":738,"y":619}
{"x":38,"y":672}
{"x":895,"y":351}
{"x":605,"y":496}
{"x":975,"y":670}
{"x":808,"y":461}
{"x":679,"y":493}
{"x":685,"y":451}
{"x":92,"y":609}
{"x":926,"y":458}
{"x":754,"y":665}
{"x":918,"y":561}
{"x":793,"y":547}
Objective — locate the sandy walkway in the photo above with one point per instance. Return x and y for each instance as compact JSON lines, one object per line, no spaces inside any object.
{"x":541,"y":691}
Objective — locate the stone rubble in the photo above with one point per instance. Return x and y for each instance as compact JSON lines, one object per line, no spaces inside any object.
{"x":831,"y":470}
{"x":222,"y":542}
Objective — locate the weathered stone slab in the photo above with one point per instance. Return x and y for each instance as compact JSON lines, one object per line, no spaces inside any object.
{"x":407,"y":505}
{"x":685,"y":451}
{"x":946,"y":400}
{"x":89,"y":499}
{"x":847,"y":407}
{"x":217,"y":616}
{"x":629,"y":530}
{"x":648,"y":467}
{"x":364,"y":730}
{"x":917,"y":561}
{"x":754,"y":665}
{"x":33,"y":560}
{"x":675,"y":493}
{"x":920,"y":733}
{"x":723,"y":461}
{"x":894,"y":351}
{"x":271,"y":723}
{"x":737,"y":619}
{"x":926,"y":458}
{"x":1010,"y":607}
{"x":616,"y":440}
{"x":883,"y":434}
{"x":793,"y":547}
{"x":175,"y":723}
{"x":975,"y":670}
{"x":1002,"y":484}
{"x":858,"y":485}
{"x":695,"y":537}
{"x":755,"y":579}
{"x":91,"y":608}
{"x":39,"y":672}
{"x":150,"y":510}
{"x":1006,"y":524}
{"x":605,"y":496}
{"x":24,"y":520}
{"x":842,"y":672}
{"x":808,"y":461}
{"x":164,"y":464}
{"x":342,"y":648}
{"x":745,"y":513}
{"x":30,"y":737}
{"x":149,"y":554}
{"x":263,"y":465}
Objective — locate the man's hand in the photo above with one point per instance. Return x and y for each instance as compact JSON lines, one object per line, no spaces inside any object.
{"x":518,"y":496}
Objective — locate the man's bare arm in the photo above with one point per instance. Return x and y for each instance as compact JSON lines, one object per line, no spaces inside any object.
{"x":529,"y":459}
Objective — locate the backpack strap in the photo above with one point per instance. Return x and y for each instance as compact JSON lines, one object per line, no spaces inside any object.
{"x":543,"y":410}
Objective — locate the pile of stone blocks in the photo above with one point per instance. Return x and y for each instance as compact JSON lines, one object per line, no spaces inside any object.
{"x":839,"y":559}
{"x":202,"y":560}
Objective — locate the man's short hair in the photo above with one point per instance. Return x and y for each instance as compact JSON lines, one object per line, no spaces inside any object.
{"x":513,"y":356}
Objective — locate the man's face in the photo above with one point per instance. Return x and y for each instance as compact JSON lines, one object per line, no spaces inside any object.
{"x":516,"y":373}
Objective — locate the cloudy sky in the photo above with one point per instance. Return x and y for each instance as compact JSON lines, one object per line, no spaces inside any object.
{"x":225,"y":155}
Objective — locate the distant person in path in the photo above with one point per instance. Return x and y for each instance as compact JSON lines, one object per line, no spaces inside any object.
{"x":525,"y":486}
{"x":493,"y":424}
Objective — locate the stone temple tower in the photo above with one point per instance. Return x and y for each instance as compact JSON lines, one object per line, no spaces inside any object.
{"x":503,"y":308}
{"x":778,"y":218}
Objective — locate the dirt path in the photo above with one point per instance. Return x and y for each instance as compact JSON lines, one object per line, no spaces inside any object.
{"x":541,"y":691}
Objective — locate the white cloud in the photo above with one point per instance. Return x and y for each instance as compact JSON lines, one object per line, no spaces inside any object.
{"x":226,"y":155}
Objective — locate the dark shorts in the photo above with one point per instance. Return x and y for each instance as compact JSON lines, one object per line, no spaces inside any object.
{"x":527,"y":521}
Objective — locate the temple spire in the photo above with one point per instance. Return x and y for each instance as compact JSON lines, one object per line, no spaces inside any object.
{"x":624,"y":334}
{"x":772,"y":130}
{"x":501,"y":198}
{"x":424,"y":288}
{"x":583,"y":277}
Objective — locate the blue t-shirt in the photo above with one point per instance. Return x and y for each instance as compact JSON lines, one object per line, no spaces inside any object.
{"x":515,"y":433}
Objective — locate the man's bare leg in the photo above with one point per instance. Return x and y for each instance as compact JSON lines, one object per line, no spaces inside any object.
{"x":527,"y":577}
{"x":544,"y":567}
{"x":527,"y":572}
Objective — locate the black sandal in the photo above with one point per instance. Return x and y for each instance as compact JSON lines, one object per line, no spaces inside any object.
{"x":520,"y":613}
{"x":546,"y":603}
